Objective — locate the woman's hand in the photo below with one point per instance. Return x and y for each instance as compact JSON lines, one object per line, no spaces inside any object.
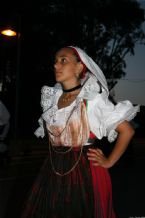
{"x":125,"y":134}
{"x":98,"y":158}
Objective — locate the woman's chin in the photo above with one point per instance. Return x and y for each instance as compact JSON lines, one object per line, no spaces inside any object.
{"x":58,"y":80}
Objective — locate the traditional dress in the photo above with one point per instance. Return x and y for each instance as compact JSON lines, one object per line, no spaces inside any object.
{"x":68,"y":185}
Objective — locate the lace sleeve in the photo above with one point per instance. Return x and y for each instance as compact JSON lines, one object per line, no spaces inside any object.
{"x":114,"y":115}
{"x":47,"y":98}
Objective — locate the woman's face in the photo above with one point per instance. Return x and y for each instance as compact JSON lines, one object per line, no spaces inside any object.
{"x":66,"y":66}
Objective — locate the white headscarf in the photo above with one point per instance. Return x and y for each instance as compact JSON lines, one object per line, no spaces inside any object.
{"x":97,"y":73}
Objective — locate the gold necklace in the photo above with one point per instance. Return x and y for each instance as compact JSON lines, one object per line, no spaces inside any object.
{"x":68,"y":98}
{"x":60,"y":152}
{"x":51,"y":147}
{"x":70,"y":95}
{"x":72,"y":168}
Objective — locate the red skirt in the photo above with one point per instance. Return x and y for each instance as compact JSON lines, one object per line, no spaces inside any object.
{"x":85,"y":192}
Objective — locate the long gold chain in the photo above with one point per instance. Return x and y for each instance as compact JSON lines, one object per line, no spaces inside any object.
{"x":51,"y":147}
{"x":69,"y":171}
{"x":61,"y":152}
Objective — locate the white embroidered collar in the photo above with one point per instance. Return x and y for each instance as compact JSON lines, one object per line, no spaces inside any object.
{"x":89,"y":89}
{"x":50,"y":95}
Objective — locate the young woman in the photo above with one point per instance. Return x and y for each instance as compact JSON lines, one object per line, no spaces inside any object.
{"x":74,"y":181}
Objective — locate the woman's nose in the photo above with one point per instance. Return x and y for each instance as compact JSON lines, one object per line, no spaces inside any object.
{"x":57,"y":65}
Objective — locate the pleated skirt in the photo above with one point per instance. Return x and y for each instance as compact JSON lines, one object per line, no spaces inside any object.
{"x":85,"y":192}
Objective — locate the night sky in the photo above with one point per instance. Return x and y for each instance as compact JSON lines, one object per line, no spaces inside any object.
{"x":132,"y":86}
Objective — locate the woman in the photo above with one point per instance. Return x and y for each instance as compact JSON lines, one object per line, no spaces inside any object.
{"x":74,"y":181}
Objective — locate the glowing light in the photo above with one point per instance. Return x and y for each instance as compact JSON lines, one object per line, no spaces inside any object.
{"x":8,"y":32}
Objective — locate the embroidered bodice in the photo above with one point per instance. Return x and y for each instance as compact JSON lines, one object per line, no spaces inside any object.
{"x":101,"y":116}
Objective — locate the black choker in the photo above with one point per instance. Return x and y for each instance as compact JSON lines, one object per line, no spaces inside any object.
{"x":72,"y":89}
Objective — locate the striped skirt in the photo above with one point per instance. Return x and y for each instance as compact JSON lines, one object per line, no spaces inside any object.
{"x":84,"y":192}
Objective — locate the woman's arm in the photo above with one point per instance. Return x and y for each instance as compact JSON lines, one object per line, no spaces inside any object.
{"x":125,"y":134}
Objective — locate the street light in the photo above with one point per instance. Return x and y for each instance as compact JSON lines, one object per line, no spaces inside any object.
{"x":8,"y":32}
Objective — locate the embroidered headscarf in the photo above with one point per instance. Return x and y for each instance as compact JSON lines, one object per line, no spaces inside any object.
{"x":94,"y":70}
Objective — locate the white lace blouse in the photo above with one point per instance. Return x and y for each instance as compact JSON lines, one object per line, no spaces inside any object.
{"x":101,"y":117}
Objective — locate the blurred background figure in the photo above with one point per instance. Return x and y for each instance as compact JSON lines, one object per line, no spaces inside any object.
{"x":4,"y":129}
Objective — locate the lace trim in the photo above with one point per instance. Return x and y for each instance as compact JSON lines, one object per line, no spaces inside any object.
{"x":47,"y":97}
{"x":113,"y":133}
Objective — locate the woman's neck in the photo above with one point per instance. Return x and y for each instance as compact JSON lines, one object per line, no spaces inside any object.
{"x":72,"y":89}
{"x":69,"y":86}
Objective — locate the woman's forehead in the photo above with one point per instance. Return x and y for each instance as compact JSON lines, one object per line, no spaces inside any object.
{"x":65,"y":52}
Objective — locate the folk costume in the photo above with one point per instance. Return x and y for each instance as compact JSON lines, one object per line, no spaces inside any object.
{"x":68,"y":185}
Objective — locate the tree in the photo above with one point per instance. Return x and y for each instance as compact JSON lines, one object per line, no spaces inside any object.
{"x":107,"y":30}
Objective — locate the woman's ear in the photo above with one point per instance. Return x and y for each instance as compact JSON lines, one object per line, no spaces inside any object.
{"x":80,"y":67}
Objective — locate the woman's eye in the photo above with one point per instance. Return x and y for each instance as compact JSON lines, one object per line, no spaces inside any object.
{"x":63,"y":60}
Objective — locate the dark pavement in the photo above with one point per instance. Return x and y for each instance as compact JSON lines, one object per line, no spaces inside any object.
{"x":128,"y":181}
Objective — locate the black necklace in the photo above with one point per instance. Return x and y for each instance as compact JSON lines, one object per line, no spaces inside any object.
{"x":72,"y":89}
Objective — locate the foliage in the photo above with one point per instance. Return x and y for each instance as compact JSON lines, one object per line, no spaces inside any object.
{"x":108,"y":30}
